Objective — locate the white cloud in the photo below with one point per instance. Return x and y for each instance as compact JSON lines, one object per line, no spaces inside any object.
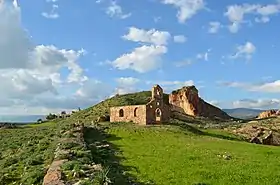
{"x":13,"y":39}
{"x":268,"y":87}
{"x":204,"y":56}
{"x":169,"y":86}
{"x":115,"y":10}
{"x":147,"y":36}
{"x":94,"y":88}
{"x":180,"y":38}
{"x":262,"y":13}
{"x":126,"y":85}
{"x":245,"y":51}
{"x":214,"y":27}
{"x":30,"y":75}
{"x":50,"y":59}
{"x":53,"y":13}
{"x":20,"y":83}
{"x":258,"y":104}
{"x":187,"y":8}
{"x":141,"y":59}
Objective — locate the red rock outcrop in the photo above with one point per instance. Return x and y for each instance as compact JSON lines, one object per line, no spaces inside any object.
{"x":186,"y":100}
{"x":268,"y":113}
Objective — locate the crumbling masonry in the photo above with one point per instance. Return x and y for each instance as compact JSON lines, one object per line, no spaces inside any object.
{"x":154,"y":112}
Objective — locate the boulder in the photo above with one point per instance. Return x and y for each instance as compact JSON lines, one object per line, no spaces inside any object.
{"x":103,"y":118}
{"x":267,"y":114}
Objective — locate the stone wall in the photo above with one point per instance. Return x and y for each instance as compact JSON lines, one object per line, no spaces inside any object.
{"x":152,"y":107}
{"x":187,"y":100}
{"x":154,"y":112}
{"x":134,"y":113}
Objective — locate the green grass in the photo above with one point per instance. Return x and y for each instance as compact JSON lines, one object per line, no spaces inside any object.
{"x":45,"y":124}
{"x":169,"y":155}
{"x":25,"y":153}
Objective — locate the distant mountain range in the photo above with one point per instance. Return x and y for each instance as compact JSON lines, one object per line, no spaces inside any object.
{"x":21,"y":118}
{"x":243,"y":113}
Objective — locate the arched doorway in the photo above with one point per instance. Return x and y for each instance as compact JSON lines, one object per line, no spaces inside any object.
{"x":158,"y":115}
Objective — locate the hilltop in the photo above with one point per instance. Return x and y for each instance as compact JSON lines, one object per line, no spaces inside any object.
{"x":103,"y":108}
{"x":181,"y":101}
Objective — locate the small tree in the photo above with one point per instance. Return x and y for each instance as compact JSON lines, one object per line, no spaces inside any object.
{"x":51,"y":116}
{"x":39,"y":120}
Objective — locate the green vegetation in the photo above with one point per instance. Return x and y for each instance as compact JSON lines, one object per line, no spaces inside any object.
{"x":25,"y":154}
{"x":51,"y":116}
{"x":194,"y":151}
{"x":176,"y":155}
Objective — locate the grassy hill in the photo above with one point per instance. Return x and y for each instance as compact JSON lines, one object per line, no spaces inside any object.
{"x":103,"y":108}
{"x":175,"y":153}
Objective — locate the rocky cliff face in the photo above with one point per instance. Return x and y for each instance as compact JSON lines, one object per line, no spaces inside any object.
{"x":186,"y":100}
{"x":268,"y":113}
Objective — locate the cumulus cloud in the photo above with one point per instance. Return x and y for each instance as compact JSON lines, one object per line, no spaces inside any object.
{"x":262,"y":13}
{"x":186,"y":8}
{"x":32,"y":79}
{"x":214,"y":27}
{"x":179,"y":38}
{"x":141,"y":59}
{"x":267,"y":87}
{"x":244,"y":51}
{"x":115,"y":10}
{"x":152,"y":36}
{"x":13,"y":38}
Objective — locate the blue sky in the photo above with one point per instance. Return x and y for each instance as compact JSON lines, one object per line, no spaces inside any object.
{"x":82,"y":52}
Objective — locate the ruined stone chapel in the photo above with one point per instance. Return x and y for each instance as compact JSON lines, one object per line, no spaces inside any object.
{"x":182,"y":102}
{"x":154,"y":112}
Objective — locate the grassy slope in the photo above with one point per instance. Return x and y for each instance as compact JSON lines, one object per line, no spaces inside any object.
{"x":103,"y":108}
{"x":25,"y":153}
{"x":168,"y":155}
{"x":163,"y":155}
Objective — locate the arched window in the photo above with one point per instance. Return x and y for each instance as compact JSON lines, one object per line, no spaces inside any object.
{"x":135,"y":112}
{"x":121,"y":113}
{"x":158,"y":113}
